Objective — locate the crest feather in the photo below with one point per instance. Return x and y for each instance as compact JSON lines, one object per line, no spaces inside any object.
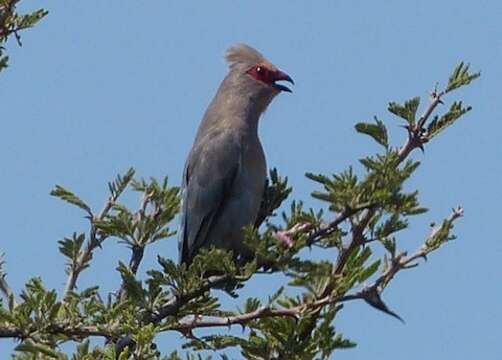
{"x":242,"y":54}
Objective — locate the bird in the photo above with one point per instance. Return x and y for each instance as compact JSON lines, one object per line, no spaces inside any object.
{"x":225,"y":173}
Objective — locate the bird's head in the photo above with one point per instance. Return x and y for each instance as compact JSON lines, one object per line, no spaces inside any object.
{"x":254,"y":72}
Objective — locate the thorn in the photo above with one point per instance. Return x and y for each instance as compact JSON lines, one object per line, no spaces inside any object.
{"x":411,"y":266}
{"x":436,"y":86}
{"x":435,"y":94}
{"x":459,"y":211}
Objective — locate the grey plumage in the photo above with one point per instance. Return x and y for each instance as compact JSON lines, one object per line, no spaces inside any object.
{"x":225,"y":172}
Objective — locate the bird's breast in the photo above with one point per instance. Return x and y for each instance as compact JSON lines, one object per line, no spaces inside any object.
{"x":250,"y":181}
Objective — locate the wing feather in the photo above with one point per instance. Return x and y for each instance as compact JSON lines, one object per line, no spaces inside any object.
{"x":209,"y":174}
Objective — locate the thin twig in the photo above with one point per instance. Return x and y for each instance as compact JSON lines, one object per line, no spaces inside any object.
{"x":5,"y":289}
{"x":402,"y":261}
{"x":138,"y":246}
{"x":92,"y":244}
{"x":261,"y":313}
{"x":333,"y":226}
{"x":416,"y":132}
{"x":56,"y":329}
{"x":172,"y":306}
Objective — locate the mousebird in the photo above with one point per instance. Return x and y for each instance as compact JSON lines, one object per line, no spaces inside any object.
{"x":225,"y":173}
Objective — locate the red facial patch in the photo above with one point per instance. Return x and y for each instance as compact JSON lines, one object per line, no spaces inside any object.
{"x":261,"y":73}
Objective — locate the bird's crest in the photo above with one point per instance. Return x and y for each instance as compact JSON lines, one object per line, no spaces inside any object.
{"x":242,"y":54}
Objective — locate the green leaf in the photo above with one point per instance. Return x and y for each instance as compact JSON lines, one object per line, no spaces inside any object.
{"x":4,"y":61}
{"x":6,"y":316}
{"x":322,"y":179}
{"x":120,"y":183}
{"x":377,"y":131}
{"x":37,"y":349}
{"x":275,"y":296}
{"x":408,"y":112}
{"x":132,"y":287}
{"x":11,"y":23}
{"x":439,"y":124}
{"x":369,"y":271}
{"x":71,"y":198}
{"x":460,"y":77}
{"x":70,"y":247}
{"x":442,"y":233}
{"x":275,"y":192}
{"x":252,"y":304}
{"x":341,"y":343}
{"x":28,"y":20}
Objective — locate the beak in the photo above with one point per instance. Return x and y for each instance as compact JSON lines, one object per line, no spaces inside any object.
{"x":282,"y":76}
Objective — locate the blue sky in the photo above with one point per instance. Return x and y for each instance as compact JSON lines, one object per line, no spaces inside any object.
{"x":100,"y":86}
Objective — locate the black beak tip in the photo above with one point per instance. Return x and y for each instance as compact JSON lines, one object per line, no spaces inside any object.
{"x":282,"y":88}
{"x":283,"y":77}
{"x":286,"y":89}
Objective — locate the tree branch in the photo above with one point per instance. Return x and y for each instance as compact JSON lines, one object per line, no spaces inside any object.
{"x":10,"y":332}
{"x":333,"y":226}
{"x":416,"y":132}
{"x":172,"y":307}
{"x":55,"y":329}
{"x":138,"y":246}
{"x":92,"y":244}
{"x":261,"y":313}
{"x":402,"y":261}
{"x":185,"y":325}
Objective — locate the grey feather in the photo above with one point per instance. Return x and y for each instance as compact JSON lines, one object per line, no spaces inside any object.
{"x":242,"y":54}
{"x":225,"y":172}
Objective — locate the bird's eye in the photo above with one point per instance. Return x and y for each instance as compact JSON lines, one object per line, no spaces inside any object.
{"x":259,"y":69}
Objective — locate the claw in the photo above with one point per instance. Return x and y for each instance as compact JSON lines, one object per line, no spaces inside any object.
{"x":286,"y":236}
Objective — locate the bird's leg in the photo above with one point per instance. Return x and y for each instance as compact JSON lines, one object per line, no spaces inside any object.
{"x":286,"y":236}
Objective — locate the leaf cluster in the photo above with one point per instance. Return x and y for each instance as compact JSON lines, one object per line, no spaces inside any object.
{"x":11,"y":23}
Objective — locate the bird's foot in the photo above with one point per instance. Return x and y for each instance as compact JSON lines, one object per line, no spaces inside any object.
{"x":286,"y":236}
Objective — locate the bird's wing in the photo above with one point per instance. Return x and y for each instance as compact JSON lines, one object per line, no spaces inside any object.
{"x":208,"y":177}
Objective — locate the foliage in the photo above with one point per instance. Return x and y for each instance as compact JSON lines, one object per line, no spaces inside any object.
{"x":367,"y":210}
{"x":11,"y":23}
